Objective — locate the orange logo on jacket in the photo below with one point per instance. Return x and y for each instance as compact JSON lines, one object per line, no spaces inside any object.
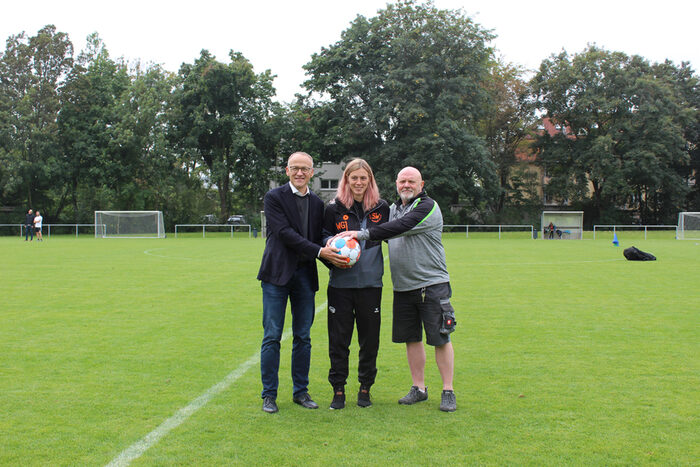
{"x":342,"y":225}
{"x":375,"y":217}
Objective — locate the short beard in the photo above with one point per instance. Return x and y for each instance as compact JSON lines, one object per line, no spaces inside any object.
{"x":405,"y":197}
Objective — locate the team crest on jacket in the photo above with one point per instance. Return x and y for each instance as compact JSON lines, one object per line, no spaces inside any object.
{"x":375,"y":217}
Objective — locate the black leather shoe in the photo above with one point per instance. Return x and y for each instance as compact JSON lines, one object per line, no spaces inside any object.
{"x":269,"y":405}
{"x":305,"y":401}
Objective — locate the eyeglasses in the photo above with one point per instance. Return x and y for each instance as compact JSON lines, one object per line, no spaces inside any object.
{"x":294,"y":169}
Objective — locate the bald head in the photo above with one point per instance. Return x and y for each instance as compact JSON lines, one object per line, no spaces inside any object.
{"x":409,"y":183}
{"x":409,"y":172}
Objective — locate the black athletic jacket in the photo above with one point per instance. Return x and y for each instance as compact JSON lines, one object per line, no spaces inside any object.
{"x":369,"y":269}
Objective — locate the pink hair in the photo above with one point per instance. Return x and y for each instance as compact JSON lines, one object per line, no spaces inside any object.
{"x":344,"y":194}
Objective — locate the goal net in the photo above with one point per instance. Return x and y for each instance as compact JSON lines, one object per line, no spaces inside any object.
{"x":129,"y":224}
{"x":566,"y":225}
{"x":688,"y":226}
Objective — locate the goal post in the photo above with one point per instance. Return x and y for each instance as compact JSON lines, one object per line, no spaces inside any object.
{"x":567,"y":225}
{"x":129,"y":224}
{"x":688,"y":226}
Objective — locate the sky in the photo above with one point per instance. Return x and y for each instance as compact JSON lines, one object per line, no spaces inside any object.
{"x":282,"y":35}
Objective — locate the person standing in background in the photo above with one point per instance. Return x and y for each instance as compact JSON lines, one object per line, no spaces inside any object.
{"x":37,"y":226}
{"x":29,"y":226}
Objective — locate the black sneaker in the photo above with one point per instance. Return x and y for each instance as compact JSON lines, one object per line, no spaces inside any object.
{"x":269,"y":405}
{"x":363,"y":399}
{"x":338,"y":399}
{"x":414,"y":395}
{"x":448,"y":402}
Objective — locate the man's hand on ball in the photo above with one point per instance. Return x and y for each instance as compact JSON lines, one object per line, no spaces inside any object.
{"x":331,"y":255}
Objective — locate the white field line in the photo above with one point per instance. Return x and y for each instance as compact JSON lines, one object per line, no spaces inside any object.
{"x":137,"y":449}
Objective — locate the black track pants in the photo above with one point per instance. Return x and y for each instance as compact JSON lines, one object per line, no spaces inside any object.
{"x":345,"y":306}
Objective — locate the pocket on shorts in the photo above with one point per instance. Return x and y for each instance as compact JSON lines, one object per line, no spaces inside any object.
{"x":448,"y":317}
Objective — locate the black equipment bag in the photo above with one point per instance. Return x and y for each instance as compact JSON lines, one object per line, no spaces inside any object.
{"x":634,"y":254}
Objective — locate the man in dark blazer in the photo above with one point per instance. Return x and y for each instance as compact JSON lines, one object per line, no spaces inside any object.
{"x":288,"y":271}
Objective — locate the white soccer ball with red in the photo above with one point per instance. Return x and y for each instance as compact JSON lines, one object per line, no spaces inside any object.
{"x":348,"y":247}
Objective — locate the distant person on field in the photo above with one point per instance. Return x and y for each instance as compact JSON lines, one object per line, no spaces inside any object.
{"x":355,"y":293}
{"x":288,"y":272}
{"x":421,"y":284}
{"x":29,"y":226}
{"x":550,"y":230}
{"x":37,"y":226}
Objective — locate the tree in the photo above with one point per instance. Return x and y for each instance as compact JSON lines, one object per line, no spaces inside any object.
{"x":87,"y":126}
{"x":406,"y":88}
{"x":505,"y":127}
{"x":219,"y":121}
{"x":621,"y":141}
{"x":31,"y":73}
{"x":687,"y":86}
{"x":113,"y":128}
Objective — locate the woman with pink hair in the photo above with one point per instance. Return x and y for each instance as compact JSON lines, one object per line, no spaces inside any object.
{"x":355,"y":293}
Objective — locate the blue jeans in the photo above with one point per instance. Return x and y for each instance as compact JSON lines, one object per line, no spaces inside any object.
{"x":301,"y":297}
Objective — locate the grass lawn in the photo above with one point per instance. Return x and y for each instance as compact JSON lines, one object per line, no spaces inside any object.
{"x":566,"y":354}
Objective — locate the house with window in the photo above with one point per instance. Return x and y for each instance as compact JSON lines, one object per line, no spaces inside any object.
{"x":325,"y":180}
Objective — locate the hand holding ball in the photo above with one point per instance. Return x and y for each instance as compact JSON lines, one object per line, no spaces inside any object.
{"x":349,"y":247}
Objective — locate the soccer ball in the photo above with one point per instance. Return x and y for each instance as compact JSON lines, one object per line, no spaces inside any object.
{"x":349,"y":247}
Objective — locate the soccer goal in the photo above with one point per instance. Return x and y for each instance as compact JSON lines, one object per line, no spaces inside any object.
{"x":565,"y":225}
{"x":688,"y":226}
{"x":129,"y":224}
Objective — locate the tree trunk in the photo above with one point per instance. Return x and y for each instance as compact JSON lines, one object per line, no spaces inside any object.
{"x":223,"y":196}
{"x":502,"y":195}
{"x":61,"y":203}
{"x":597,"y":202}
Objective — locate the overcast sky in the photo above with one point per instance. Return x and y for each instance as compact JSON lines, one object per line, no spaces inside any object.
{"x":282,"y":35}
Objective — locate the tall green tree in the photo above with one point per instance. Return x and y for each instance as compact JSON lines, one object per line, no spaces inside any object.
{"x":113,"y":128}
{"x":506,"y":126}
{"x":145,"y":166}
{"x":31,"y":72}
{"x":406,"y":88}
{"x":89,"y":120}
{"x":220,"y":122}
{"x":622,"y":134}
{"x":687,"y":85}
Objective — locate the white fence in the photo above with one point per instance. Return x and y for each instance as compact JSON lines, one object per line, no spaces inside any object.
{"x":19,"y":227}
{"x":615,"y":228}
{"x":501,"y":229}
{"x":204,"y":227}
{"x":90,"y":228}
{"x":46,"y":228}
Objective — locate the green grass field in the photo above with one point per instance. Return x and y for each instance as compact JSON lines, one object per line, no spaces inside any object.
{"x":566,"y":354}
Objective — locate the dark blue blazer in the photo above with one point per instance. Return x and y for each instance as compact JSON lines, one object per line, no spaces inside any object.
{"x":285,"y":245}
